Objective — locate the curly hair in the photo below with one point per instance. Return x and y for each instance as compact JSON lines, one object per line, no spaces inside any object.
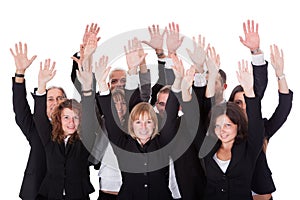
{"x":56,"y":119}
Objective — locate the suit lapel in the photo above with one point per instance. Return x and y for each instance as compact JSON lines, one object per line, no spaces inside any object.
{"x":237,"y":154}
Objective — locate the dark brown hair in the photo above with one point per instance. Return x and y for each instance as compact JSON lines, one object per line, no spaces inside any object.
{"x":235,"y":114}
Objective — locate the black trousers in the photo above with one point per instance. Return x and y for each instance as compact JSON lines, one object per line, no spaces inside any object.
{"x":64,"y":198}
{"x":106,"y":196}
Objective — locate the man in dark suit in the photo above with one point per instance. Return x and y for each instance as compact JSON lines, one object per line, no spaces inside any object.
{"x":36,"y":164}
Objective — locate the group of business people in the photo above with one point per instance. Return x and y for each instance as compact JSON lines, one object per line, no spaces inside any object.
{"x":176,"y":139}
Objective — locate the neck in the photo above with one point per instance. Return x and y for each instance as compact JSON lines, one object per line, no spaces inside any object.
{"x":142,"y":142}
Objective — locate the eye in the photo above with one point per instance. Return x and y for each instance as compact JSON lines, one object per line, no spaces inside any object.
{"x":162,"y":103}
{"x":123,"y":80}
{"x":50,"y":99}
{"x":149,"y":121}
{"x":217,"y":126}
{"x":227,"y":125}
{"x":76,"y":117}
{"x":114,"y":81}
{"x":60,"y":98}
{"x":238,"y":102}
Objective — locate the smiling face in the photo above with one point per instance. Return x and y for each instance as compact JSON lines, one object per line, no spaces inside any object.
{"x":225,"y":129}
{"x":117,"y":79}
{"x":54,"y":97}
{"x":69,"y":121}
{"x":142,"y":123}
{"x":143,"y":128}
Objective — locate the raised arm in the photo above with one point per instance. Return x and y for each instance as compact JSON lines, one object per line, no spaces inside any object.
{"x":213,"y":66}
{"x":40,"y":117}
{"x":284,"y":106}
{"x":198,"y":56}
{"x":260,"y":66}
{"x":255,"y":122}
{"x":21,"y":107}
{"x":91,"y":32}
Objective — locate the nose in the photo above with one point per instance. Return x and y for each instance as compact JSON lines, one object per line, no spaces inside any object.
{"x":71,"y":120}
{"x":144,"y":125}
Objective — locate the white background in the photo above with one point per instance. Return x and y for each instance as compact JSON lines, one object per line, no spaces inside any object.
{"x":54,"y":29}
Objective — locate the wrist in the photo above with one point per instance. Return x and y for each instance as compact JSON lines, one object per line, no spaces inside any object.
{"x":282,"y":76}
{"x":19,"y":71}
{"x":170,"y":53}
{"x":19,"y":75}
{"x":160,"y":53}
{"x":256,"y":51}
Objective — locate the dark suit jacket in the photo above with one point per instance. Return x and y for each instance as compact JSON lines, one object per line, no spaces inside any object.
{"x":262,"y":182}
{"x":36,"y":165}
{"x":67,"y":166}
{"x":188,"y":170}
{"x":142,"y":183}
{"x":235,"y":184}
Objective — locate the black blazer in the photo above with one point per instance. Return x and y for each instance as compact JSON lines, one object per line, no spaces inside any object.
{"x":188,"y":170}
{"x":36,"y":165}
{"x":67,"y":166}
{"x":142,"y":183}
{"x":262,"y":182}
{"x":235,"y":183}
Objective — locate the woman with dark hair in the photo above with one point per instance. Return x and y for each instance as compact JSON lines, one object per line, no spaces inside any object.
{"x":262,"y":182}
{"x":238,"y":139}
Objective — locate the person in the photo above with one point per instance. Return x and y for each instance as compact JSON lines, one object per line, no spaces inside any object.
{"x":36,"y":165}
{"x":189,"y":184}
{"x":263,"y":184}
{"x":230,"y":163}
{"x":67,"y":175}
{"x":124,"y":89}
{"x":142,"y":137}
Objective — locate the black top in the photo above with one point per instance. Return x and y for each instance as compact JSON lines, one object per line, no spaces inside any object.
{"x":235,"y":183}
{"x":36,"y":165}
{"x":141,"y":179}
{"x":67,"y":166}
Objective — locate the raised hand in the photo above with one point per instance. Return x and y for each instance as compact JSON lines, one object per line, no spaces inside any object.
{"x":45,"y":75}
{"x":178,"y":67}
{"x":188,"y":79}
{"x":101,"y":73}
{"x":212,"y":62}
{"x":90,"y":32}
{"x":245,"y":77}
{"x":85,"y":77}
{"x":173,"y":41}
{"x":156,"y":38}
{"x":20,"y":56}
{"x":277,"y":60}
{"x":135,"y":55}
{"x":251,"y":40}
{"x":198,"y":56}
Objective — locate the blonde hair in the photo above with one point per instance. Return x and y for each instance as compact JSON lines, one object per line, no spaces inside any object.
{"x":142,"y":109}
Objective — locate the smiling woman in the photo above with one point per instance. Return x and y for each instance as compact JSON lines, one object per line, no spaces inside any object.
{"x":65,"y":120}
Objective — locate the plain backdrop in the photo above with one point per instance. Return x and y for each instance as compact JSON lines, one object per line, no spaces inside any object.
{"x":54,"y":29}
